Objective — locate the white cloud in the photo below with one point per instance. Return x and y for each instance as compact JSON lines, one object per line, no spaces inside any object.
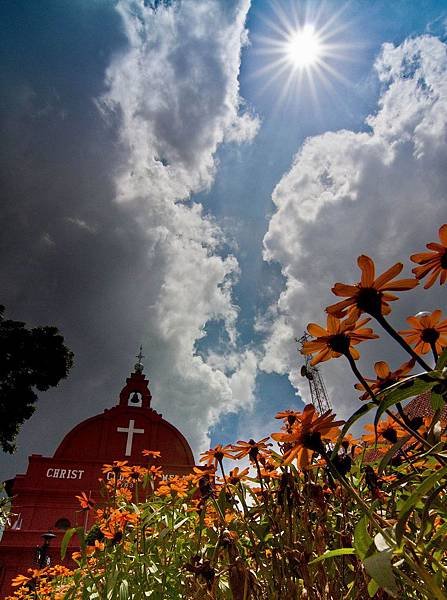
{"x":381,"y":192}
{"x":175,"y":90}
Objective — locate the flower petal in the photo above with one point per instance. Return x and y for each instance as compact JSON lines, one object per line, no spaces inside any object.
{"x":316,"y":330}
{"x":366,"y":264}
{"x":421,"y":257}
{"x":382,"y":369}
{"x":443,"y":234}
{"x":343,"y":289}
{"x":401,"y":284}
{"x":388,"y":275}
{"x":339,"y":308}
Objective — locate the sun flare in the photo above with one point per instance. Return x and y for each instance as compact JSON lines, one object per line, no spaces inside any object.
{"x":304,"y":48}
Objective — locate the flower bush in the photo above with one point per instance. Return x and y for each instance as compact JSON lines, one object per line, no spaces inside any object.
{"x":316,"y":514}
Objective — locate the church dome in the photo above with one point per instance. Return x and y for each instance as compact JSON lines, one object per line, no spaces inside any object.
{"x":124,"y":431}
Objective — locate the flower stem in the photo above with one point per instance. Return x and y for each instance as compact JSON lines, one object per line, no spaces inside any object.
{"x":400,"y":340}
{"x":433,"y":349}
{"x":361,"y":378}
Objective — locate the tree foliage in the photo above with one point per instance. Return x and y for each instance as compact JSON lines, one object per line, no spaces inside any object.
{"x":30,"y":359}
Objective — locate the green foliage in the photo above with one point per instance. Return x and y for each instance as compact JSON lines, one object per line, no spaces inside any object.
{"x":5,"y":509}
{"x":30,"y":359}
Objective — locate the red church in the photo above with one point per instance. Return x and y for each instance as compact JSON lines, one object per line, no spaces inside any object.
{"x":44,"y":498}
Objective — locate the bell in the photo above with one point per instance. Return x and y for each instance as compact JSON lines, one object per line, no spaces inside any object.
{"x":135,"y":398}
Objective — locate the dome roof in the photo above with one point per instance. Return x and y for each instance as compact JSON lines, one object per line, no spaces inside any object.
{"x":124,"y":431}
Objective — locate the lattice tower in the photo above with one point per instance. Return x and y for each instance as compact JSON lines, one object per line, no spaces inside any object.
{"x":318,"y":391}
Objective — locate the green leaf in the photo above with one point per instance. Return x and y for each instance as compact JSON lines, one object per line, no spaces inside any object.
{"x":373,"y":588}
{"x":66,"y":540}
{"x":362,"y":540}
{"x":437,"y":401}
{"x":391,"y":452}
{"x":355,"y":417}
{"x":378,"y":566}
{"x":412,"y":386}
{"x":332,"y":554}
{"x":124,"y":590}
{"x":180,"y":523}
{"x":442,"y":360}
{"x":412,"y":500}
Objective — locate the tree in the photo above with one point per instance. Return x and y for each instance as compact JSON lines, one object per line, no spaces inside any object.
{"x":30,"y":359}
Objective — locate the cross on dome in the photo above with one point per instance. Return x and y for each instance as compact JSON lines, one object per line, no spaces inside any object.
{"x":130,"y":430}
{"x":139,"y":365}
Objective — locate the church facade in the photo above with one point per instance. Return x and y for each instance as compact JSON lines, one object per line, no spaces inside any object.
{"x":44,"y":497}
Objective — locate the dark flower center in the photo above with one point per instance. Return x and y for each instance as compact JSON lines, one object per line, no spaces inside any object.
{"x":312,"y":441}
{"x":370,"y":300}
{"x":443,"y":260}
{"x":218,"y":456}
{"x":390,"y":434}
{"x":429,"y":335}
{"x":339,"y":343}
{"x":416,"y":422}
{"x":342,"y":463}
{"x":254,"y":450}
{"x":382,"y":384}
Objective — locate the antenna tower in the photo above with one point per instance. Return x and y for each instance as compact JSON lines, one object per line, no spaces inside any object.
{"x":318,"y":391}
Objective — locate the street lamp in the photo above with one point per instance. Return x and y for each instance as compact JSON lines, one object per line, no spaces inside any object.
{"x":42,"y":558}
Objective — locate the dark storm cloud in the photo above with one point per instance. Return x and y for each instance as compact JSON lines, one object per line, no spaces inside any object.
{"x":70,"y":255}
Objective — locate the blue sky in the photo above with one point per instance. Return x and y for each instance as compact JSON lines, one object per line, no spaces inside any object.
{"x":161,"y":187}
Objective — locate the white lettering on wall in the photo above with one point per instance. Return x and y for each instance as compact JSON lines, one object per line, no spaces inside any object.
{"x":65,"y":473}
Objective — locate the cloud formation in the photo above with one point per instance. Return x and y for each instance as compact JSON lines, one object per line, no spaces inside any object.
{"x":380,"y":192}
{"x":175,"y":90}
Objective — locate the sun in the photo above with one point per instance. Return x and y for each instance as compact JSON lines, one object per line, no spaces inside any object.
{"x":302,"y":50}
{"x":304,"y":47}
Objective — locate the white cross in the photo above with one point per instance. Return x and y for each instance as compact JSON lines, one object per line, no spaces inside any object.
{"x":130,"y":431}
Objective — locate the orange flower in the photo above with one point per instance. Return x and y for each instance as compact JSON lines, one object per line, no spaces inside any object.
{"x":371,"y":294}
{"x":155,"y":472}
{"x":152,"y":453}
{"x":116,"y":523}
{"x":434,"y":261}
{"x":216,"y":455}
{"x":234,"y":476}
{"x":385,"y":377}
{"x":124,"y":493}
{"x":428,"y":331}
{"x":136,"y":473}
{"x":85,"y":501}
{"x":116,"y":467}
{"x":289,"y":416}
{"x":307,"y":434}
{"x":388,"y":430}
{"x":175,"y":487}
{"x":208,"y":471}
{"x":251,"y":448}
{"x":20,"y":580}
{"x":337,"y":339}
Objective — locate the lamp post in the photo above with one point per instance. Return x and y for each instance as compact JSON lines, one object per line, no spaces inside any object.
{"x":42,"y":557}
